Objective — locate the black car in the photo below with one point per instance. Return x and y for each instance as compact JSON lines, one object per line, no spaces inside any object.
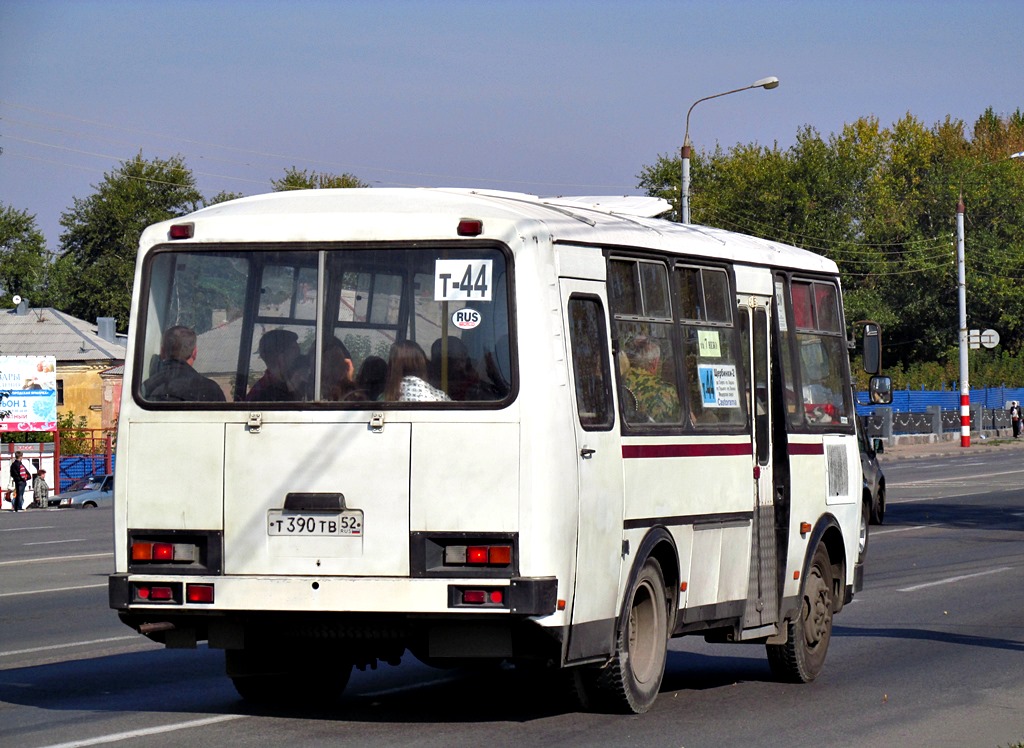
{"x":874,"y":478}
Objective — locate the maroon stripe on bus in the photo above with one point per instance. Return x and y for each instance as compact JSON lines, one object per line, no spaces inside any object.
{"x":806,"y":449}
{"x":630,"y":451}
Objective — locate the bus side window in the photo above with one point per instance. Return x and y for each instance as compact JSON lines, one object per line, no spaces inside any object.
{"x":590,"y":363}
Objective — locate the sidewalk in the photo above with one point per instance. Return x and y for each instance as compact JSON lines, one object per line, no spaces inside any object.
{"x":910,"y":446}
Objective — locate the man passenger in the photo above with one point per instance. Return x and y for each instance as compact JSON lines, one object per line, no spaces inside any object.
{"x":656,"y":400}
{"x":175,"y":379}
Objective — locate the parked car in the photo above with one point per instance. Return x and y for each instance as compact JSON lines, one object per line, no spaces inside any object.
{"x":874,"y":478}
{"x":89,"y":492}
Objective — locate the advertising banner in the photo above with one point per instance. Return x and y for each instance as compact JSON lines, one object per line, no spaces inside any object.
{"x":31,"y":386}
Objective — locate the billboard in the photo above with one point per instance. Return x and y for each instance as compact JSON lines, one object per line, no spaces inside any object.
{"x":31,"y":386}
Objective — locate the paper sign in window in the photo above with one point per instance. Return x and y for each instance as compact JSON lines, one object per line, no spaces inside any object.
{"x":718,"y":386}
{"x":710,"y":345}
{"x":462,"y":280}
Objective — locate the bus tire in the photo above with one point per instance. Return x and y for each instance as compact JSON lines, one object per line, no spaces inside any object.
{"x":864,"y":534}
{"x":287,"y":677}
{"x":802,"y":657}
{"x":632,"y":678}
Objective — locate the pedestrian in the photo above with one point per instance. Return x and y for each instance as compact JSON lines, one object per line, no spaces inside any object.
{"x":1015,"y":418}
{"x":20,"y":476}
{"x":40,"y":490}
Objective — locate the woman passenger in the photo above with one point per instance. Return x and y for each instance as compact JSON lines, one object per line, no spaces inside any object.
{"x":407,"y":375}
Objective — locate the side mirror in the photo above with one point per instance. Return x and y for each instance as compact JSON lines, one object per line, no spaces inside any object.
{"x":878,"y":445}
{"x":880,"y":390}
{"x":872,"y":348}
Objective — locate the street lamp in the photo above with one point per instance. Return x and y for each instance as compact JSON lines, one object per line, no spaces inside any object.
{"x":684,"y":204}
{"x":961,"y":295}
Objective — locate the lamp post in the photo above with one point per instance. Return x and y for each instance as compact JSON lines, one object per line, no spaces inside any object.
{"x":961,"y":295}
{"x":684,"y":204}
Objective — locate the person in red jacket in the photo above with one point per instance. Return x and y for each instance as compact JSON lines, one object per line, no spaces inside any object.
{"x":20,"y":476}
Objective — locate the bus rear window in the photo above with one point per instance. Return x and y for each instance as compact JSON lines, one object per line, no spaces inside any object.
{"x":348,"y":327}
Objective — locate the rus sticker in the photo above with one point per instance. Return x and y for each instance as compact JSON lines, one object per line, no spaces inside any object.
{"x":467,"y":319}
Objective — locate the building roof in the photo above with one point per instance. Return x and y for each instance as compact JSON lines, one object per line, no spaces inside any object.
{"x":47,"y":332}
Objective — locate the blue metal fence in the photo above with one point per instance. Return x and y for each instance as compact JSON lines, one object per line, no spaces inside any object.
{"x":917,"y":401}
{"x":938,"y":411}
{"x":74,"y":467}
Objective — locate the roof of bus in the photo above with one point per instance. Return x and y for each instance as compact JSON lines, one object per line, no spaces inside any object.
{"x":433,"y":213}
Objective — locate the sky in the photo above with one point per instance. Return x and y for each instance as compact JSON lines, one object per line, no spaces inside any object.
{"x":551,"y":98}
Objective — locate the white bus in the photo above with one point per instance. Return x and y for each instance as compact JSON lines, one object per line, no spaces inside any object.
{"x":482,"y":426}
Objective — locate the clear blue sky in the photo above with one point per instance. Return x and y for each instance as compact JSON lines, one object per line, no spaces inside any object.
{"x":552,"y":97}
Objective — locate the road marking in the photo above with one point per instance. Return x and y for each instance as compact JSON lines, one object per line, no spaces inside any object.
{"x":55,"y":542}
{"x":873,"y":533}
{"x":115,"y":737}
{"x":55,"y":589}
{"x":930,"y":498}
{"x":953,"y":579}
{"x":52,"y":647}
{"x":933,"y":481}
{"x":22,"y":529}
{"x":107,"y":554}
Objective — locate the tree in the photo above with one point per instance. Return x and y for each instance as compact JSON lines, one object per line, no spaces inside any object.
{"x":880,"y":202}
{"x":93,"y":275}
{"x":22,"y":255}
{"x":311,"y":180}
{"x":221,"y":197}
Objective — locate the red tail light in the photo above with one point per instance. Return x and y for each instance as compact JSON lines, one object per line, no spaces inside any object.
{"x":199,"y":593}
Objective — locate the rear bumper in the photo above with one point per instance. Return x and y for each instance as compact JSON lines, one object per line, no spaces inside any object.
{"x":518,"y":596}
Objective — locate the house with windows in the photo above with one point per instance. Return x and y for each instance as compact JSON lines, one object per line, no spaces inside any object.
{"x":90,"y":358}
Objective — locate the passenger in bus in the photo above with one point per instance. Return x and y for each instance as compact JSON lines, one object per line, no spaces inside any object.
{"x":372,"y":377}
{"x":460,"y":379}
{"x":407,"y":375}
{"x":279,"y":350}
{"x":627,"y":400}
{"x":175,"y":379}
{"x":656,"y":399}
{"x":339,"y":373}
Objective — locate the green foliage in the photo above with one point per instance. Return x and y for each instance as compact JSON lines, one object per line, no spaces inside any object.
{"x":93,"y":275}
{"x":22,"y":255}
{"x":74,"y":439}
{"x":221,"y":197}
{"x":294,"y":179}
{"x":881,"y":202}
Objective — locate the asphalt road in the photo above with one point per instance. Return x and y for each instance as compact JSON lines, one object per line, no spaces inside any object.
{"x":929,"y":654}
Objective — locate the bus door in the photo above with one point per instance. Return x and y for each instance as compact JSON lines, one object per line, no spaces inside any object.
{"x":763,"y":594}
{"x":599,"y":466}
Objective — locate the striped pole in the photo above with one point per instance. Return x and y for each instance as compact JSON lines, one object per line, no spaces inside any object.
{"x":965,"y":388}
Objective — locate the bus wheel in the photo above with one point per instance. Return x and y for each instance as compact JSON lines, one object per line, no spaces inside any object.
{"x":631,"y":680}
{"x":864,"y":534}
{"x":802,"y":657}
{"x":286,"y":676}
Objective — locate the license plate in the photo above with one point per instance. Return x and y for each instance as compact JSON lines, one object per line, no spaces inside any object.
{"x":346,"y":524}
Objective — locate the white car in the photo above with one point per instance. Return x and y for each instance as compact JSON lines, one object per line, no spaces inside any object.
{"x":90,"y":492}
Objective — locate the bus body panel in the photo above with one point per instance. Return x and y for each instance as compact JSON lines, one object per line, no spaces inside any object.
{"x":175,"y":474}
{"x":476,"y":488}
{"x":369,"y":469}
